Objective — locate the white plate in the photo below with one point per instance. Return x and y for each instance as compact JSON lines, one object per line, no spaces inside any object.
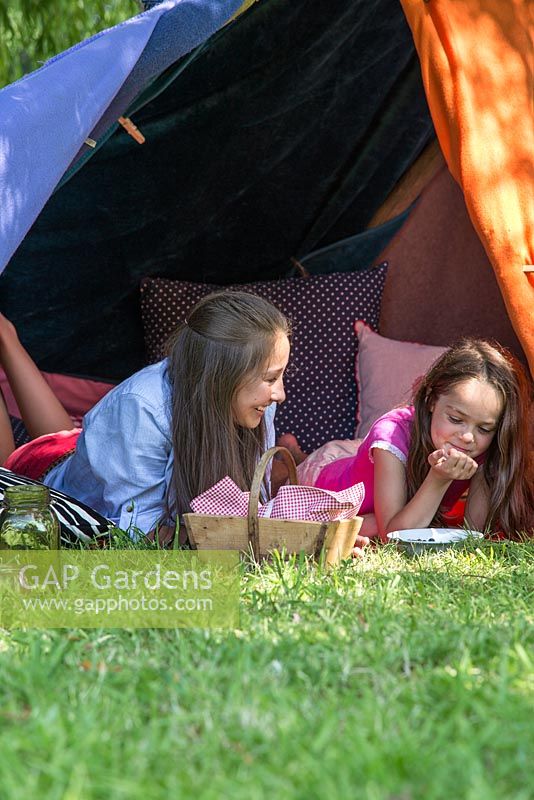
{"x":417,"y":540}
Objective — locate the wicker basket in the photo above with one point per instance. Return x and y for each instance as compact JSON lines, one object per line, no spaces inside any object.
{"x":213,"y":532}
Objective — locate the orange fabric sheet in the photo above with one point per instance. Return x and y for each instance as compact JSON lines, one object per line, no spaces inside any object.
{"x":477,"y":60}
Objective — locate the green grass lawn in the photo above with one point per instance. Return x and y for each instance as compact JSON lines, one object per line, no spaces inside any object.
{"x":386,"y":678}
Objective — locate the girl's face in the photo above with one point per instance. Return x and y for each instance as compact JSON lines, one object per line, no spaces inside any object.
{"x":466,"y":418}
{"x":252,"y":397}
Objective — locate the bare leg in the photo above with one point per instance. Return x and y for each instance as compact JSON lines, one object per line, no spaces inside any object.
{"x":39,"y":407}
{"x":7,"y":443}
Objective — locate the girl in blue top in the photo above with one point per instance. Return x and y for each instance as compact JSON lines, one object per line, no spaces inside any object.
{"x":173,"y":429}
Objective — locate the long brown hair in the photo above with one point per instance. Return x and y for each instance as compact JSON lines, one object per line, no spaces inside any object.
{"x":508,"y":466}
{"x":226,"y":339}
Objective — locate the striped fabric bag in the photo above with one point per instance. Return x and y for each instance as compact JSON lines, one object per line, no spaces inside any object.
{"x":78,"y":523}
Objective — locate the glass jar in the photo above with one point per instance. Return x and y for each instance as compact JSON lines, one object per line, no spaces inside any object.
{"x":27,"y":521}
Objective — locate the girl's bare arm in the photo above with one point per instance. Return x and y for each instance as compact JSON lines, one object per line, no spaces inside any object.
{"x":392,"y":509}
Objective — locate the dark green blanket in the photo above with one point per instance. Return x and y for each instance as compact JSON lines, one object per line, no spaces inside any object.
{"x":284,"y":134}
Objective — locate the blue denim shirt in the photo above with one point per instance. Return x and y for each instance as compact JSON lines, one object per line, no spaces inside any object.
{"x":123,"y":461}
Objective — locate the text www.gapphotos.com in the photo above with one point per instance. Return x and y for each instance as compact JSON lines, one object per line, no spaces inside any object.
{"x":110,"y":605}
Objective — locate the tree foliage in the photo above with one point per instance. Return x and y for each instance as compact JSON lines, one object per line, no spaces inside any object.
{"x":32,"y":31}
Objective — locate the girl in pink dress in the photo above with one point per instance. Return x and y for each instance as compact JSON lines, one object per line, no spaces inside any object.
{"x":468,"y":430}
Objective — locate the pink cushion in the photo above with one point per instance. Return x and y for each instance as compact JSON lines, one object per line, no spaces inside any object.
{"x":320,"y":389}
{"x":385,"y":373}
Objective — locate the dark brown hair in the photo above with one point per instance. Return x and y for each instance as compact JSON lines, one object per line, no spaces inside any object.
{"x":227,"y":339}
{"x":508,"y":466}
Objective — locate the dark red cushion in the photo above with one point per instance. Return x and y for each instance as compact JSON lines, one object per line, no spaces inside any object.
{"x":440,"y":283}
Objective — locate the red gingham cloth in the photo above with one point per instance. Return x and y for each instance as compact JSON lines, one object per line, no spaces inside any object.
{"x":292,"y":502}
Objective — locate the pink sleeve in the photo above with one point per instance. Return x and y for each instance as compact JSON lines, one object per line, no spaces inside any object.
{"x":392,"y":433}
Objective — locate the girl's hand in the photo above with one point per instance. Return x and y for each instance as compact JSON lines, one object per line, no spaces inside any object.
{"x":452,"y":464}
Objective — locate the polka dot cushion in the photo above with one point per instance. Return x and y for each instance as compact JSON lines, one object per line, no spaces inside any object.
{"x":320,"y":386}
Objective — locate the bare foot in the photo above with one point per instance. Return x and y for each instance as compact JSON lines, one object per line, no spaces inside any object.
{"x":289,"y":441}
{"x":280,"y":472}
